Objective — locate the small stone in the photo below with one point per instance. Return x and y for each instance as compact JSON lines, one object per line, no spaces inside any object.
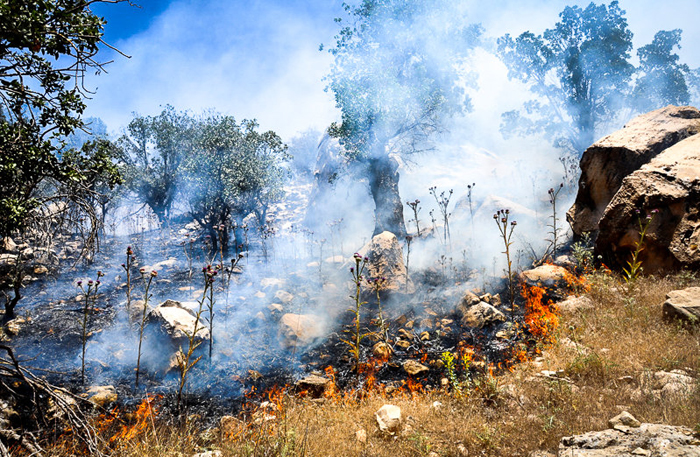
{"x":462,"y":450}
{"x":624,"y":418}
{"x":208,"y":454}
{"x":361,"y":436}
{"x":414,"y":368}
{"x":102,"y":395}
{"x":425,"y":336}
{"x":389,"y":418}
{"x":401,"y":320}
{"x":486,"y":298}
{"x":403,"y":344}
{"x":403,"y":333}
{"x":426,"y":323}
{"x":409,"y":325}
{"x":382,"y":351}
{"x":40,"y":270}
{"x":314,"y":385}
{"x":640,"y":451}
{"x":436,"y":405}
{"x":284,"y":296}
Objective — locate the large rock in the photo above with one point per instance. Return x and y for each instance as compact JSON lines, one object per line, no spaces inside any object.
{"x":670,"y":183}
{"x":297,"y":330}
{"x":177,"y":320}
{"x":683,"y":304}
{"x":388,"y":418}
{"x":481,"y":315}
{"x":607,"y":162}
{"x":647,"y":439}
{"x":545,"y":275}
{"x":386,"y":261}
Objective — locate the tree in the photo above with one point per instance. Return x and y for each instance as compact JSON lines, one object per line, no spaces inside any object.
{"x":661,"y":78}
{"x":396,"y":77}
{"x":231,"y":171}
{"x":581,"y":74}
{"x":578,"y":70}
{"x":46,"y":46}
{"x":154,"y":147}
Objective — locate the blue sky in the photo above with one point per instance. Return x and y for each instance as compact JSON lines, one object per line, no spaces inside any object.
{"x":260,"y":58}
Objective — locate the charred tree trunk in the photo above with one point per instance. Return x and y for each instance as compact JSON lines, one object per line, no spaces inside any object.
{"x":384,"y":186}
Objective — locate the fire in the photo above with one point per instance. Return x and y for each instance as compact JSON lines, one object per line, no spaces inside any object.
{"x":541,"y":319}
{"x":143,"y":415}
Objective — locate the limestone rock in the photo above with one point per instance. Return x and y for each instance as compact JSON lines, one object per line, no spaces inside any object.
{"x":669,"y":183}
{"x":624,"y":418}
{"x":608,"y":161}
{"x":545,"y":275}
{"x":414,"y":368}
{"x":7,"y":244}
{"x":382,"y":351}
{"x":284,"y":296}
{"x":300,"y":329}
{"x":573,"y":304}
{"x":386,"y":261}
{"x":658,"y":439}
{"x":102,"y":395}
{"x":468,"y":300}
{"x":389,"y":418}
{"x":314,"y":385}
{"x":215,"y":453}
{"x":683,"y":304}
{"x":177,"y":320}
{"x":482,"y":314}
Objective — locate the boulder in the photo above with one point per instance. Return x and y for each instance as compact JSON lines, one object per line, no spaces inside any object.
{"x":297,"y":330}
{"x":481,"y":315}
{"x":545,"y":275}
{"x":608,"y":161}
{"x":670,"y":184}
{"x":468,"y":300}
{"x":386,"y":261}
{"x":389,"y":418}
{"x":177,"y":320}
{"x":647,"y":439}
{"x":683,"y":304}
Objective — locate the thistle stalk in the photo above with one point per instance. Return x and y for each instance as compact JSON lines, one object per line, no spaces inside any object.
{"x":506,"y":232}
{"x":147,"y":279}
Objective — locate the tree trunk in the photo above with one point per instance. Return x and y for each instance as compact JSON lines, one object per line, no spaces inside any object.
{"x":388,"y":207}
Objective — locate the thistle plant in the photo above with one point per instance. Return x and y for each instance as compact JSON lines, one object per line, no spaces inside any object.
{"x":377,"y":284}
{"x":130,"y":259}
{"x":147,"y":279}
{"x":89,"y":297}
{"x":356,"y":335}
{"x":188,"y":247}
{"x":634,"y":265}
{"x":209,"y":296}
{"x":416,"y":209}
{"x":409,"y":238}
{"x":221,"y":234}
{"x":186,"y":360}
{"x":333,"y":227}
{"x":443,"y":201}
{"x":506,"y":231}
{"x":227,"y":284}
{"x":554,"y":233}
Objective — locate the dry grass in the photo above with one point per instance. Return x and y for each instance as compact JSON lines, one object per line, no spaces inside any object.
{"x":606,"y":354}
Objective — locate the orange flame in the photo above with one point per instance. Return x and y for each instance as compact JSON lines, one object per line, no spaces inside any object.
{"x":144,"y":415}
{"x":541,"y":319}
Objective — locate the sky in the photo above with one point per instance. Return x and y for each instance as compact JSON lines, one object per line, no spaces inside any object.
{"x":260,"y":58}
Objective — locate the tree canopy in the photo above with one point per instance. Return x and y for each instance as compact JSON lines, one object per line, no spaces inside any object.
{"x":46,"y":46}
{"x":582,"y":76}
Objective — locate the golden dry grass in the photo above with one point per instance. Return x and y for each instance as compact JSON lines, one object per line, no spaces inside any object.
{"x":603,"y":357}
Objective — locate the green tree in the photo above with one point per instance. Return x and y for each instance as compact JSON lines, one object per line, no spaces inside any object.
{"x":232,"y":171}
{"x":46,"y":46}
{"x":396,"y":77}
{"x":154,"y":147}
{"x":579,"y":70}
{"x":661,"y":78}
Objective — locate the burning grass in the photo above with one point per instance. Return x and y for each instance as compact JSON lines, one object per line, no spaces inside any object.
{"x":598,"y":362}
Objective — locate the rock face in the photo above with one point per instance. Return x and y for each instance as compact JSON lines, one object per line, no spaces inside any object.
{"x":386,"y":261}
{"x":296,"y":330}
{"x":683,"y":304}
{"x":647,"y":439}
{"x":670,"y":183}
{"x":607,"y":162}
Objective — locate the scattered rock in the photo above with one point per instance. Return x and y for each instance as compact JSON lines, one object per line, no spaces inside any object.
{"x":361,"y":436}
{"x":657,"y":439}
{"x":276,"y":310}
{"x":624,"y":418}
{"x":389,"y":418}
{"x":102,"y":395}
{"x":40,"y":270}
{"x":673,"y":385}
{"x":382,"y":351}
{"x":608,"y":161}
{"x":7,"y":244}
{"x":300,"y":329}
{"x":229,"y":425}
{"x":284,"y":296}
{"x":468,"y":300}
{"x":208,"y":454}
{"x":403,"y":344}
{"x":683,"y":304}
{"x":386,"y":261}
{"x":670,"y":183}
{"x":572,"y":304}
{"x":482,"y":314}
{"x":425,"y":336}
{"x":177,"y":320}
{"x":314,"y":385}
{"x":14,"y":326}
{"x":271,"y":283}
{"x":545,"y":275}
{"x":414,"y":368}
